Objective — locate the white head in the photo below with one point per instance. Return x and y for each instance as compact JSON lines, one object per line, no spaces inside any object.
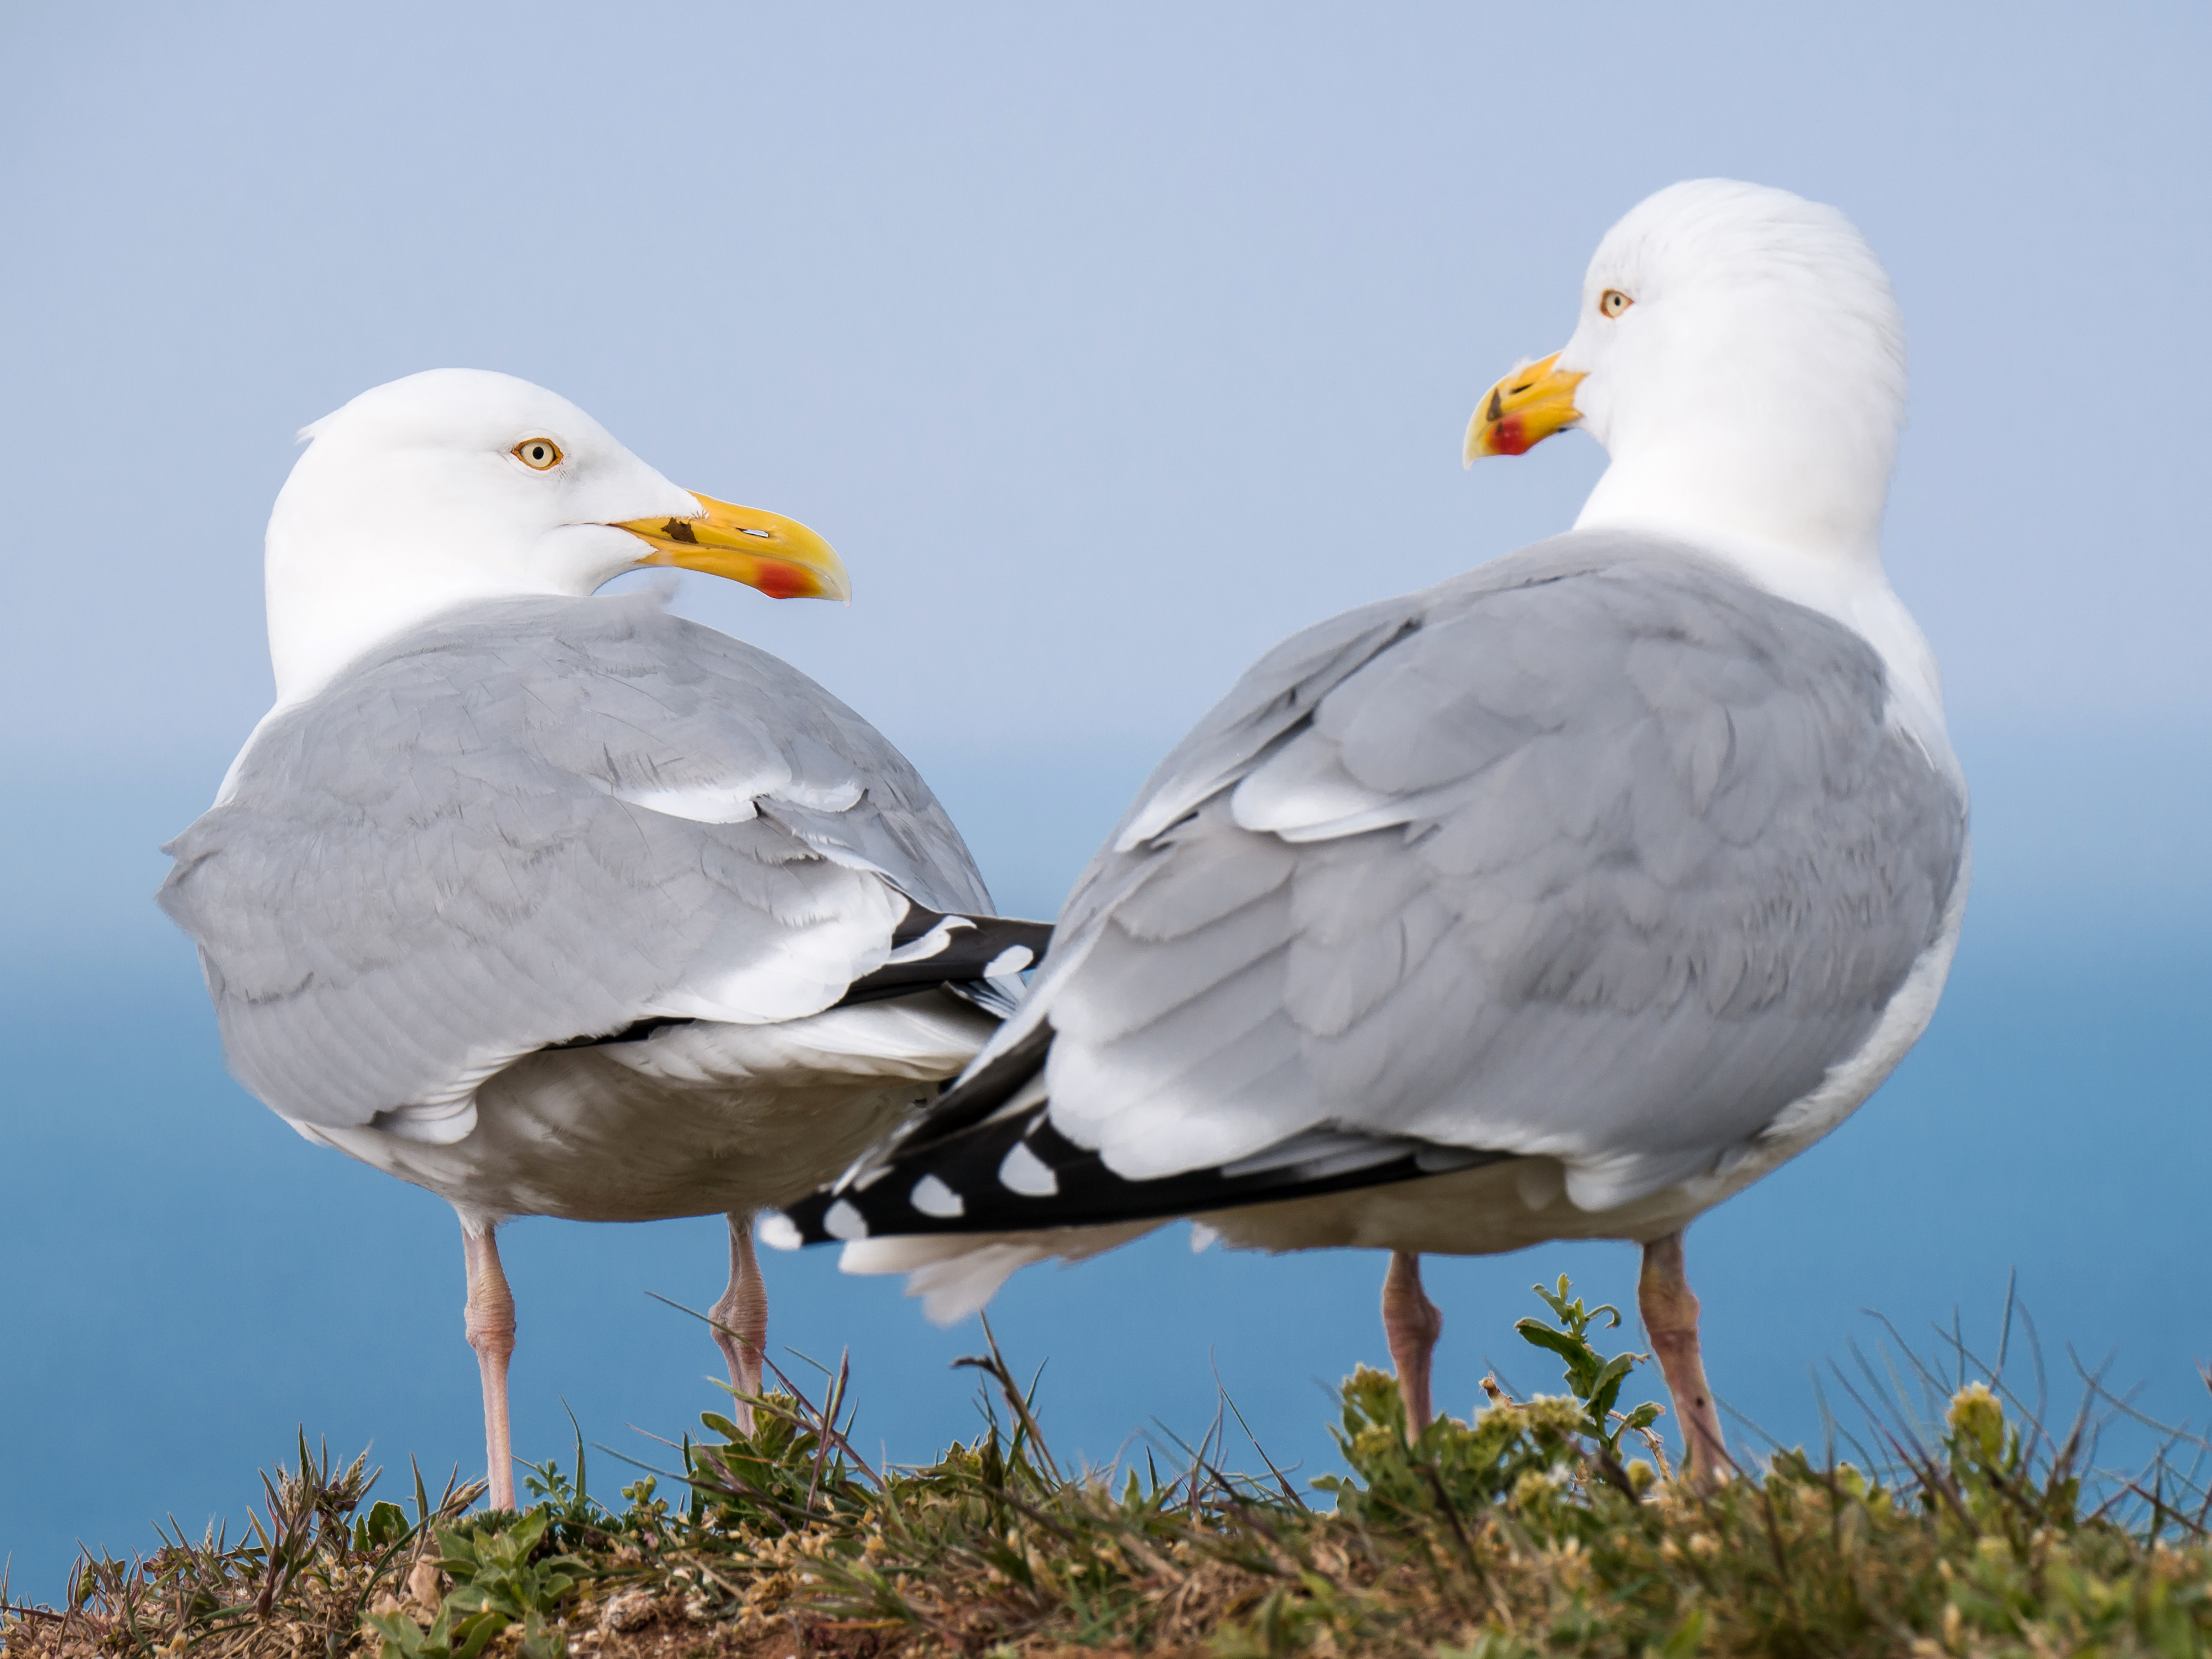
{"x":460,"y":484}
{"x":1740,"y":356}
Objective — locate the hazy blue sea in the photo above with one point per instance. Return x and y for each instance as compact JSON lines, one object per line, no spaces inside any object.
{"x":186,"y":1281}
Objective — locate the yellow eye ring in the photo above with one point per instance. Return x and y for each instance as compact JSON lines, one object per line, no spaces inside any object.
{"x":538,"y":454}
{"x":1613,"y":302}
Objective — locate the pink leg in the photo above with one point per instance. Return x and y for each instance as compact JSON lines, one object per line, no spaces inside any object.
{"x":1670,"y":1320}
{"x":1411,"y":1323}
{"x":488,"y":1321}
{"x":741,"y":1318}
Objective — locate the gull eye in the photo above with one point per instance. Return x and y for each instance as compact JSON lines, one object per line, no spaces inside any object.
{"x":1613,"y":302}
{"x":540,"y":454}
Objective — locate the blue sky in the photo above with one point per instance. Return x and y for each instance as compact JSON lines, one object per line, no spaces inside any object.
{"x":1108,"y":346}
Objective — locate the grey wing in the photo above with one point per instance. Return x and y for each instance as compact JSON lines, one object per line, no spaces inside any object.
{"x":1273,"y":699}
{"x":540,"y":820}
{"x":1598,"y":853}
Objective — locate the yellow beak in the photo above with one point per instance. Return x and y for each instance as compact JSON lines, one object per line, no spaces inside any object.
{"x":780,"y":556}
{"x":1522,"y":409}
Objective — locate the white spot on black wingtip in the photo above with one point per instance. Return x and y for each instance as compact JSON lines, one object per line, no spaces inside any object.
{"x":777,"y":1231}
{"x":935,"y":942}
{"x":1009,"y":961}
{"x":841,"y":1220}
{"x":932,"y":1197}
{"x":1023,"y":1171}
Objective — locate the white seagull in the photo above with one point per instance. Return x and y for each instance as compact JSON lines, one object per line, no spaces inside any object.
{"x":562,"y":905}
{"x":1561,"y":900}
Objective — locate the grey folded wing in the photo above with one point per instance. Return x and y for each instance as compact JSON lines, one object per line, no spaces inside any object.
{"x":1597,"y":853}
{"x":534,"y":821}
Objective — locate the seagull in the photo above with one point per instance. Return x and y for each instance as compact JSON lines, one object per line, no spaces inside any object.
{"x":1561,"y":900}
{"x":558,"y":904}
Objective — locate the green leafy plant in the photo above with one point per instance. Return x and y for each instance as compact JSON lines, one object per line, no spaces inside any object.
{"x":499,"y":1580}
{"x":1594,"y":1378}
{"x":1454,"y":1466}
{"x":1524,"y":1451}
{"x":405,"y":1639}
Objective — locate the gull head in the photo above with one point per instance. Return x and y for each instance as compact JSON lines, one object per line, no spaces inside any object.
{"x":1740,"y":356}
{"x":459,"y":484}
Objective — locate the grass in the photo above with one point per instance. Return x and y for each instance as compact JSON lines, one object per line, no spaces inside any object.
{"x":1956,"y":1525}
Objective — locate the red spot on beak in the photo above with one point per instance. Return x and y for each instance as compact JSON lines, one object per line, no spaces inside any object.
{"x":787,"y":581}
{"x":1510,"y":437}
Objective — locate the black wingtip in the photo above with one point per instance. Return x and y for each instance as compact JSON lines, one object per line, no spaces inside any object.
{"x":1015,"y":1173}
{"x":932,"y":947}
{"x":986,"y":1158}
{"x":796,"y":1225}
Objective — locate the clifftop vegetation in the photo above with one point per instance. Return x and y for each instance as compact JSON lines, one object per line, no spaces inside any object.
{"x":1951,"y":1523}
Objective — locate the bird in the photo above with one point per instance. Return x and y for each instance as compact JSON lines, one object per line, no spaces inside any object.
{"x":1563,"y":899}
{"x":554,"y":902}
